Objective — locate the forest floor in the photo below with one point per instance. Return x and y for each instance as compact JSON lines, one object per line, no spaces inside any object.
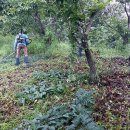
{"x":112,"y":99}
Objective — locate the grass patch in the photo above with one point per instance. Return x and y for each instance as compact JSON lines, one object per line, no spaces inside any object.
{"x":6,"y":43}
{"x":104,"y":51}
{"x":59,"y":49}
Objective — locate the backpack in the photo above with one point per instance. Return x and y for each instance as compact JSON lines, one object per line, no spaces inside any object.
{"x":20,"y":39}
{"x":27,"y":41}
{"x":23,"y":39}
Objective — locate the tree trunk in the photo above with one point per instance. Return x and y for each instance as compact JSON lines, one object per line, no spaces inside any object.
{"x":125,"y":39}
{"x":129,"y":22}
{"x":39,"y":23}
{"x":91,"y":65}
{"x":89,"y":58}
{"x":127,"y":10}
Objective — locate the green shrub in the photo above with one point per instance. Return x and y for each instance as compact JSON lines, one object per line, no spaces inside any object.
{"x":77,"y":115}
{"x":37,"y":46}
{"x":118,"y":51}
{"x":59,"y":49}
{"x":6,"y":43}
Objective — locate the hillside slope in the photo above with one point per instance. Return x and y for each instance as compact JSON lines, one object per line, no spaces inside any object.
{"x":26,"y":92}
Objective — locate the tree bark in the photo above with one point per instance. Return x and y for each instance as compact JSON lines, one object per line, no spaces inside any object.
{"x":88,"y":54}
{"x":127,"y":10}
{"x":91,"y":64}
{"x":84,"y":29}
{"x":89,"y":58}
{"x":129,"y":22}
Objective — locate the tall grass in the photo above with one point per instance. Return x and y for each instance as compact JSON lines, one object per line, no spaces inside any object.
{"x":118,"y":51}
{"x":37,"y":46}
{"x":56,"y":48}
{"x":6,"y":45}
{"x":59,"y":49}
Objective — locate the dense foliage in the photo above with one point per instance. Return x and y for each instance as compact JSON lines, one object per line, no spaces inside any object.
{"x":78,"y":77}
{"x":76,"y":115}
{"x":48,"y":83}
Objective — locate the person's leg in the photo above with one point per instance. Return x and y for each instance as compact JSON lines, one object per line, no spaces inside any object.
{"x":80,"y":51}
{"x":25,"y":54}
{"x":129,"y":61}
{"x":17,"y":55}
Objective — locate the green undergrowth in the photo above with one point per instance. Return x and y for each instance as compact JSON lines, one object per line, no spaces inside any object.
{"x":56,"y":48}
{"x":47,"y":100}
{"x":38,"y":45}
{"x":6,"y":43}
{"x":43,"y":90}
{"x":76,"y":115}
{"x":12,"y":123}
{"x":7,"y":67}
{"x":49,"y":85}
{"x":52,"y":82}
{"x":59,"y":49}
{"x":106,"y":52}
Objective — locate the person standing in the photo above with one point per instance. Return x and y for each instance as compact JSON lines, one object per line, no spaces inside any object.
{"x":21,"y":42}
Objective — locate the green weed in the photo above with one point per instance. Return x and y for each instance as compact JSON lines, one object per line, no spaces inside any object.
{"x":104,"y":51}
{"x":59,"y":49}
{"x":6,"y":43}
{"x":72,"y":116}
